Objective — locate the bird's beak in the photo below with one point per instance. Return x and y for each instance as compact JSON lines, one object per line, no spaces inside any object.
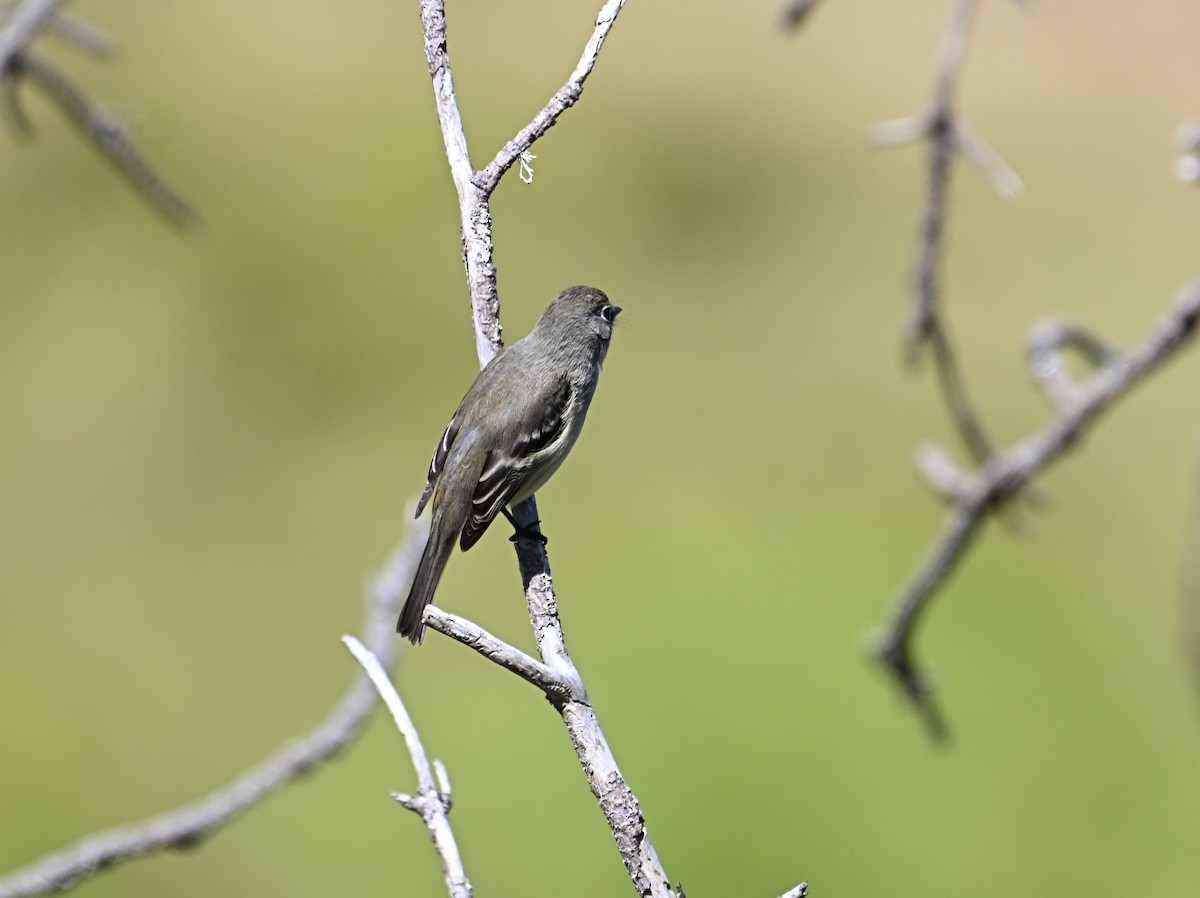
{"x":616,"y":310}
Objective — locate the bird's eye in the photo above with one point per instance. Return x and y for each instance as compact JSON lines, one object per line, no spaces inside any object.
{"x":608,"y":313}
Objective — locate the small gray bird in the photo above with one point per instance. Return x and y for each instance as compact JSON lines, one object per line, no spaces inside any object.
{"x":511,"y":432}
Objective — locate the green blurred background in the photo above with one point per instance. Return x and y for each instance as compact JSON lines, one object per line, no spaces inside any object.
{"x":208,"y":443}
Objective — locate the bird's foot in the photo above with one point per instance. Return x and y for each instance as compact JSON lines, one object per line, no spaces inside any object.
{"x":520,"y":532}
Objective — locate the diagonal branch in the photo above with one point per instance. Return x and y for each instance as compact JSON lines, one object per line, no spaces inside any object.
{"x":106,"y":134}
{"x":617,"y":801}
{"x":564,"y":99}
{"x":976,"y":497}
{"x":189,"y":825}
{"x":556,"y":687}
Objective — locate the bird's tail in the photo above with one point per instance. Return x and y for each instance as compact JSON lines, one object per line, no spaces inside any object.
{"x":429,"y":572}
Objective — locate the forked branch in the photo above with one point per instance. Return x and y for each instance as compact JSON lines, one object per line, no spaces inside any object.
{"x":556,"y":673}
{"x":974,"y":498}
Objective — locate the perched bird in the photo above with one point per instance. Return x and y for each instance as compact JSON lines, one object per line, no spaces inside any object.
{"x":511,"y":432}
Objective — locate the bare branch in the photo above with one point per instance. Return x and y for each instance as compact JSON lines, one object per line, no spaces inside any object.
{"x":23,"y":24}
{"x":556,"y":687}
{"x":953,"y":49}
{"x":557,"y":670}
{"x":894,"y":649}
{"x":472,"y":201}
{"x":187,"y":826}
{"x":1049,"y":368}
{"x":942,"y":473}
{"x":432,"y":803}
{"x":898,"y":132}
{"x":947,"y":137}
{"x":475,"y":187}
{"x":987,"y":161}
{"x":70,"y":29}
{"x":566,"y":97}
{"x":617,"y":801}
{"x":105,"y":133}
{"x":954,"y":392}
{"x":1008,"y":473}
{"x":108,"y":135}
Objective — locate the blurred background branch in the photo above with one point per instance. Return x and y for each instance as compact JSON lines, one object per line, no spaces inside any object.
{"x":106,"y":133}
{"x":795,"y":13}
{"x":976,"y":498}
{"x":186,"y":827}
{"x":941,"y":128}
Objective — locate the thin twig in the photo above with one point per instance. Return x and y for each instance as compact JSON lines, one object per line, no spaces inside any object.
{"x":187,"y":826}
{"x":975,"y":498}
{"x":556,"y":687}
{"x":947,"y":138}
{"x":564,"y":99}
{"x":82,"y":35}
{"x":431,"y":803}
{"x":954,"y":392}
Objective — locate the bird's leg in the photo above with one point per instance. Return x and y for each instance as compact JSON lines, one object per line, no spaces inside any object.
{"x":530,"y":532}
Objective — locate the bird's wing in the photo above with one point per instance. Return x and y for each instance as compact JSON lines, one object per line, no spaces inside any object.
{"x":506,"y":469}
{"x":439,"y":460}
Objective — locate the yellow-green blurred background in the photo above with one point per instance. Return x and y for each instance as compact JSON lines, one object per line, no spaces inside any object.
{"x":207,"y":444}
